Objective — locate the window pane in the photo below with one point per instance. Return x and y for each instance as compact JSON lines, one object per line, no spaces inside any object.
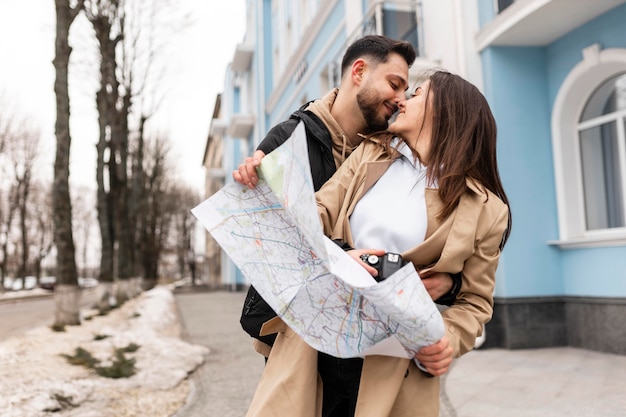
{"x":602,"y":185}
{"x":401,"y":24}
{"x":608,"y":98}
{"x":503,"y":4}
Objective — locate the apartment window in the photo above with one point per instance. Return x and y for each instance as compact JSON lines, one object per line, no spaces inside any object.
{"x":397,"y":21}
{"x":503,"y":4}
{"x":236,"y":100}
{"x":401,"y":24}
{"x":589,"y":143}
{"x":603,"y":157}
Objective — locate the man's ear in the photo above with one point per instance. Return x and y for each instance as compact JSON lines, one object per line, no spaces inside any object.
{"x":358,"y":71}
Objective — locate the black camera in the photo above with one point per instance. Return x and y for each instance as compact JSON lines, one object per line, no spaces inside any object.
{"x":386,"y":265}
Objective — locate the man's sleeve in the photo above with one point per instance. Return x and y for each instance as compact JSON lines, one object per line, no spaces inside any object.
{"x":449,"y":298}
{"x":278,"y":135}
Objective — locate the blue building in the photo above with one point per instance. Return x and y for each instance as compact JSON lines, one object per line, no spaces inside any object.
{"x":555,"y":76}
{"x":554,"y":73}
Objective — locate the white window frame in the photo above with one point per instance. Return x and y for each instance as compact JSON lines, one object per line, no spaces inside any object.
{"x":596,"y":67}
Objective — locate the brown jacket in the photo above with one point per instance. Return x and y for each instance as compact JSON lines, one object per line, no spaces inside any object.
{"x":468,"y":241}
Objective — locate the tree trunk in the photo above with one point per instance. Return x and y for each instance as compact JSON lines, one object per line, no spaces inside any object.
{"x":137,"y":203}
{"x":103,"y":199}
{"x":117,"y":230}
{"x":24,"y":189}
{"x":67,"y":302}
{"x":125,"y":227}
{"x":106,"y":297}
{"x":4,"y":238}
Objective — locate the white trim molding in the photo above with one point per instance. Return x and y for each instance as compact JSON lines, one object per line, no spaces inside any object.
{"x":596,"y":67}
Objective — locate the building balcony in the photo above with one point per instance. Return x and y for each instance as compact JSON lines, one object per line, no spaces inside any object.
{"x":216,"y":173}
{"x":242,"y":58}
{"x":218,"y":127}
{"x":241,"y":125}
{"x":539,"y":22}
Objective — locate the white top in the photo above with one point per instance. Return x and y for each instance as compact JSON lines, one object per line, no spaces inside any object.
{"x":392,"y":214}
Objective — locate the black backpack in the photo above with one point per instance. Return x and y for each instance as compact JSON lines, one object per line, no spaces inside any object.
{"x":256,"y":312}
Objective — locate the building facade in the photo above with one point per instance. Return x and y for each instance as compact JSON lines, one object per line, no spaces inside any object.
{"x":555,"y":77}
{"x":554,"y":73}
{"x":213,"y":161}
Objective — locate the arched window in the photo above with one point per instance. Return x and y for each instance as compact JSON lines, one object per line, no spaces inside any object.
{"x":601,"y":141}
{"x":589,"y":142}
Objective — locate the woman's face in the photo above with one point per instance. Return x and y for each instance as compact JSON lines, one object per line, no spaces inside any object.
{"x":414,"y":117}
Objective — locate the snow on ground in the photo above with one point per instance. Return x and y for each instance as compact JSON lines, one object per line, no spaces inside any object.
{"x":36,"y":380}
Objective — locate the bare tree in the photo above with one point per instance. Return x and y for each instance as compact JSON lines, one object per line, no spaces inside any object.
{"x":8,"y":204}
{"x":22,"y":151}
{"x":104,"y":16}
{"x":84,"y":222}
{"x":41,"y":215}
{"x":183,"y":223}
{"x":126,"y":32}
{"x":17,"y":164}
{"x":67,"y":294}
{"x":8,"y":201}
{"x":155,"y":209}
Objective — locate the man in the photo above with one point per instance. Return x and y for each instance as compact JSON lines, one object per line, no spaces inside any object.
{"x":374,"y":78}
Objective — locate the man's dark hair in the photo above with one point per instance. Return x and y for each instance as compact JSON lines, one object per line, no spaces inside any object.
{"x":378,"y":48}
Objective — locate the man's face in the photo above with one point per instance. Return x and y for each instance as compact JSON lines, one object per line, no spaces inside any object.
{"x":382,"y":88}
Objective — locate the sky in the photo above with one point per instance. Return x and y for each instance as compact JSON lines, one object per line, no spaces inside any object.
{"x":201,"y":52}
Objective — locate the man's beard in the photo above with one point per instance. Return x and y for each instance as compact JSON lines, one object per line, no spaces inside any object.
{"x":369,"y":104}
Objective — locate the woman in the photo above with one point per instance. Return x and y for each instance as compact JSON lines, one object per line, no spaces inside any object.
{"x":429,"y":189}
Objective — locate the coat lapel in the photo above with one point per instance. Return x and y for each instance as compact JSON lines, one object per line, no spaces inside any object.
{"x":449,"y":243}
{"x":375,"y":170}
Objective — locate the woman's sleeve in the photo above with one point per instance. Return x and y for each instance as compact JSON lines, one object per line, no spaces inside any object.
{"x":474,"y":305}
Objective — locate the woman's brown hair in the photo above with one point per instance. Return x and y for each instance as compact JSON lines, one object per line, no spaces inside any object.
{"x":463,"y":141}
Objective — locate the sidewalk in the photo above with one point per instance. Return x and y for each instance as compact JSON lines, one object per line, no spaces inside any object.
{"x":549,"y":382}
{"x":225,"y":384}
{"x":553,"y":382}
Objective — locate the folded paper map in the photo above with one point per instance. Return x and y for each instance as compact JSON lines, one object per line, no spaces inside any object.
{"x":274,"y":236}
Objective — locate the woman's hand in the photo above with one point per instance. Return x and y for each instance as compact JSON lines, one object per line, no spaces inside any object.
{"x":356,"y":254}
{"x":436,"y":358}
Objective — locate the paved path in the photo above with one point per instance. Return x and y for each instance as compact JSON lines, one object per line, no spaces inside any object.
{"x":548,"y":382}
{"x":225,"y":384}
{"x":552,"y":382}
{"x":30,"y":309}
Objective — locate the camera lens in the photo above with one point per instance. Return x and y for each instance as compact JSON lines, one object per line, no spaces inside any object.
{"x":372,"y":259}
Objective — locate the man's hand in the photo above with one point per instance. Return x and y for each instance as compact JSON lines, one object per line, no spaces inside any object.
{"x":437,"y":284}
{"x":436,"y":358}
{"x":246,"y":173}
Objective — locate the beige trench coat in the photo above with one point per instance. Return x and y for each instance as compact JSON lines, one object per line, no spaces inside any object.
{"x":468,"y":241}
